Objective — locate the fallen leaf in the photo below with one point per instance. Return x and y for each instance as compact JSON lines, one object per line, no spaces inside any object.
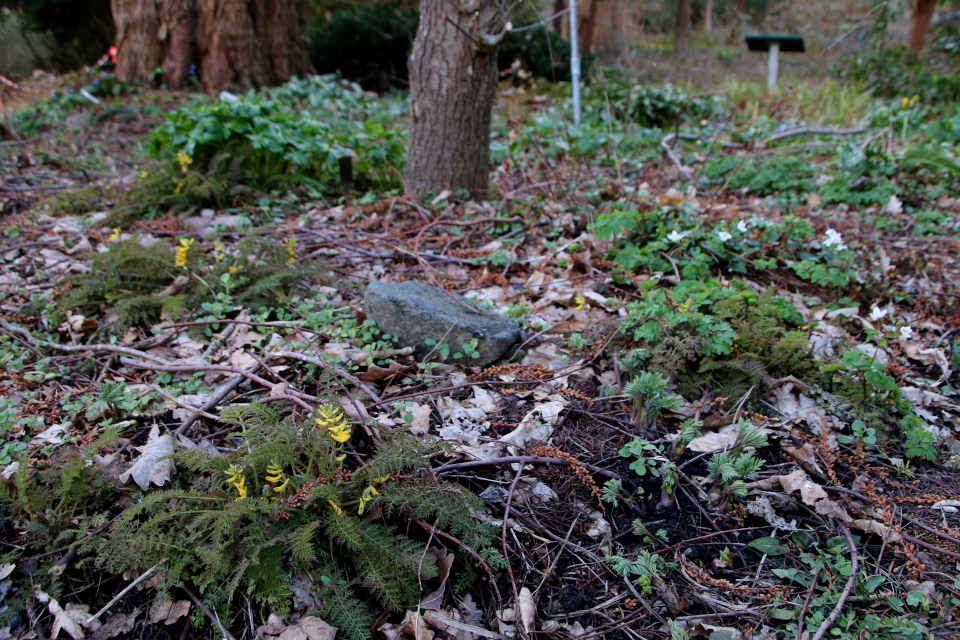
{"x":420,"y":424}
{"x":444,"y":560}
{"x":169,"y":611}
{"x":375,"y":373}
{"x":154,"y":465}
{"x":72,"y":619}
{"x":274,"y":627}
{"x":309,"y":628}
{"x":528,"y":610}
{"x":117,"y":624}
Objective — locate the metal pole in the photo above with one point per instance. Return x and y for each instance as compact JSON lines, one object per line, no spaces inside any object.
{"x":773,"y":66}
{"x":575,"y":62}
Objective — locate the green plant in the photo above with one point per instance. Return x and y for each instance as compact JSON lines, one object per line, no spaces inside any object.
{"x":639,"y":449}
{"x":648,"y":393}
{"x":647,"y":568}
{"x":285,"y":508}
{"x":730,"y":469}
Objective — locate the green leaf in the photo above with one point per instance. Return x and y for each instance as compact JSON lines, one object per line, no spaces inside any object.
{"x":782,"y":614}
{"x":874,"y":583}
{"x":769,"y":546}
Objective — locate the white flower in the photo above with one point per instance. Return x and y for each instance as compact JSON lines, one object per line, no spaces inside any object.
{"x":906,"y":333}
{"x":742,"y":226}
{"x":877,"y":313}
{"x":724,"y":235}
{"x":676,"y":236}
{"x":834,"y":239}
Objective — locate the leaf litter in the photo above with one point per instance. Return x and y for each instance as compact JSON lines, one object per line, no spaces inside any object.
{"x":572,"y":287}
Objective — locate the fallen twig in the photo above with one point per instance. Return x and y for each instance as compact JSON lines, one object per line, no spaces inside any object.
{"x":854,"y":562}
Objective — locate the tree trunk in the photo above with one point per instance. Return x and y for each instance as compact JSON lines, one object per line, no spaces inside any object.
{"x":683,"y":27}
{"x":558,"y":7}
{"x":708,"y":16}
{"x":589,"y":26}
{"x":243,"y":42}
{"x":453,"y":82}
{"x":922,"y":14}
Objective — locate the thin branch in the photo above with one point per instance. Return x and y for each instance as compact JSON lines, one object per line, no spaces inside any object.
{"x":854,"y":561}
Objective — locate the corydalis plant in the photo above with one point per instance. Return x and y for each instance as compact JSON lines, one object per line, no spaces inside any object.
{"x":649,"y":395}
{"x":730,"y":469}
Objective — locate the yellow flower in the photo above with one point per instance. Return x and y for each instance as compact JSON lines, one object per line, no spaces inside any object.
{"x":282,"y":488}
{"x":234,"y":270}
{"x":180,"y":185}
{"x":116,"y":234}
{"x":905,"y":103}
{"x":579,"y":302}
{"x":233,"y":473}
{"x":143,"y":174}
{"x":336,"y":508}
{"x":184,"y":160}
{"x":914,"y":99}
{"x":332,"y":418}
{"x":218,"y":250}
{"x":241,"y":488}
{"x":182,"y":251}
{"x":364,"y":499}
{"x":274,"y":473}
{"x":373,"y":490}
{"x":290,"y":245}
{"x":341,"y":458}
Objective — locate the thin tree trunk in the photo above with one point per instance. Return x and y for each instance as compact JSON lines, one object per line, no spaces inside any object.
{"x":708,"y":16}
{"x":683,"y":27}
{"x":453,"y":82}
{"x":922,"y":14}
{"x":589,"y":27}
{"x":558,"y":6}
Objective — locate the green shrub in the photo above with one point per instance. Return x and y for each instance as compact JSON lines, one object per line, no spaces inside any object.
{"x":369,"y":45}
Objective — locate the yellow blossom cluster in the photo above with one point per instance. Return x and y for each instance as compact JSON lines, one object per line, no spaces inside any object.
{"x":236,"y":478}
{"x":182,"y":251}
{"x":909,"y":102}
{"x":332,"y":418}
{"x":291,"y":244}
{"x":275,"y":475}
{"x":184,"y":160}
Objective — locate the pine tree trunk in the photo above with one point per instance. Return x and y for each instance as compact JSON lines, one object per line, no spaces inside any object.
{"x":920,"y":23}
{"x":243,"y":42}
{"x":453,"y":83}
{"x":589,"y":26}
{"x":683,"y":27}
{"x":708,"y":16}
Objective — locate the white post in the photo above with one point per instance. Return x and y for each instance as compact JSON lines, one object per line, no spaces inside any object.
{"x":575,"y":62}
{"x":773,"y":66}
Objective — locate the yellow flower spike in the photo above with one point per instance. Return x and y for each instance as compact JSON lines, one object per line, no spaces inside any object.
{"x":115,"y":235}
{"x":333,"y":420}
{"x":579,"y":302}
{"x":233,"y":473}
{"x":282,"y":488}
{"x":914,"y":99}
{"x":182,"y":251}
{"x":364,"y":499}
{"x":336,"y":508}
{"x":373,"y":490}
{"x":180,"y":185}
{"x":274,"y":473}
{"x":905,"y":103}
{"x":241,"y":488}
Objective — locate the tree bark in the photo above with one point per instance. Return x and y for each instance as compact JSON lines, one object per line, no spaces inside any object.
{"x":453,"y":82}
{"x":708,"y":16}
{"x":923,"y":12}
{"x":589,"y":26}
{"x":683,"y":27}
{"x":243,"y":42}
{"x":558,"y":6}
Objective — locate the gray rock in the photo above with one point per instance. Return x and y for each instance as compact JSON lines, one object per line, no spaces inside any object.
{"x":414,"y":312}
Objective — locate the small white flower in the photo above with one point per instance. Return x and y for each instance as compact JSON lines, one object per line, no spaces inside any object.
{"x":676,"y":236}
{"x":724,"y":235}
{"x":742,"y":226}
{"x":834,"y":239}
{"x":906,"y":333}
{"x":877,"y":313}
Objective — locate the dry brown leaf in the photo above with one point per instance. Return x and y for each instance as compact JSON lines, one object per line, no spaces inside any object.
{"x":274,"y":627}
{"x":421,"y":418}
{"x":309,"y":628}
{"x":117,"y":624}
{"x":151,"y":467}
{"x":375,"y":373}
{"x":413,"y":626}
{"x":169,"y":611}
{"x":72,"y":619}
{"x":873,"y":526}
{"x":812,"y":494}
{"x":444,"y":560}
{"x":528,"y":610}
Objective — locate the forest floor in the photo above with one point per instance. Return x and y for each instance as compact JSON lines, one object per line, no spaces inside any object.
{"x":733,"y":411}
